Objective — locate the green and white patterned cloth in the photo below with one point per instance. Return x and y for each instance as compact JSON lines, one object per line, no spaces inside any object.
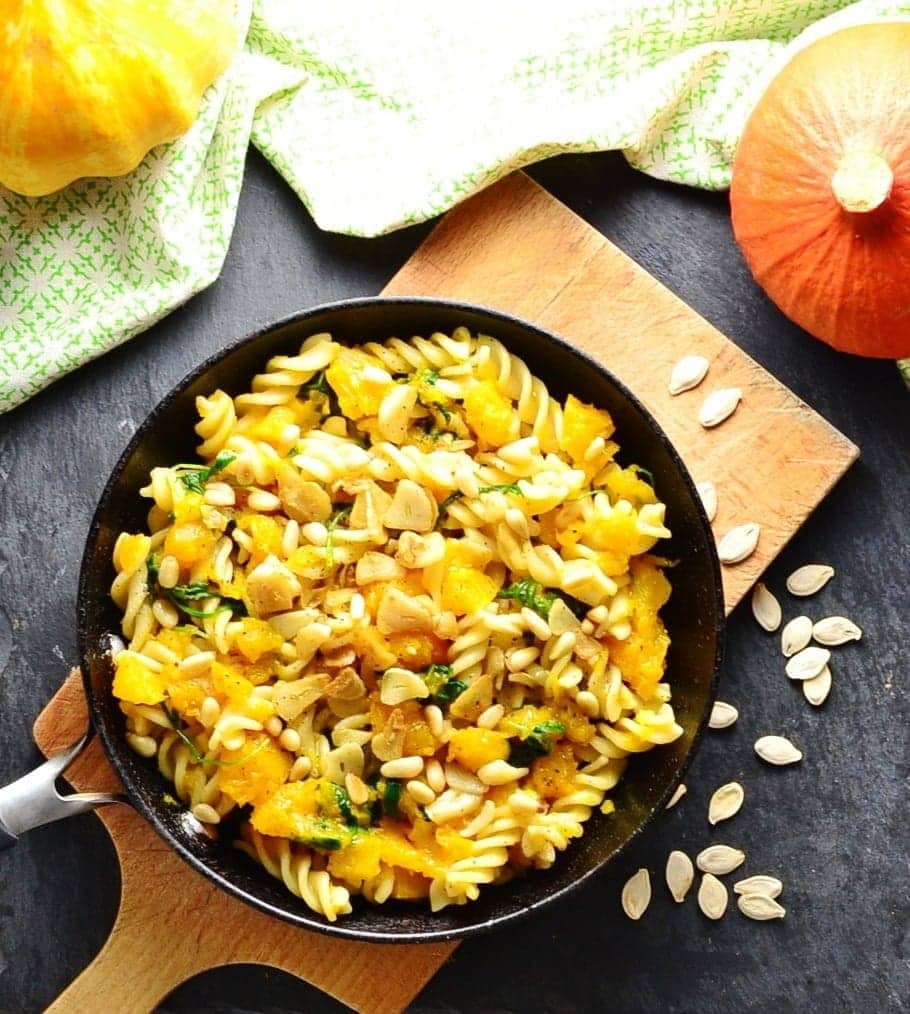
{"x":380,"y":116}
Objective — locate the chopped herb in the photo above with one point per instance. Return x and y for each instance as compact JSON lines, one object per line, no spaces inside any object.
{"x":318,"y":384}
{"x":443,"y":687}
{"x":342,"y":511}
{"x":536,"y":744}
{"x":182,"y":594}
{"x":391,"y":795}
{"x":430,"y":377}
{"x":530,"y":594}
{"x":194,"y":478}
{"x":645,"y":474}
{"x":449,"y":691}
{"x":152,"y":564}
{"x":173,"y":717}
{"x":343,"y":803}
{"x":505,"y":487}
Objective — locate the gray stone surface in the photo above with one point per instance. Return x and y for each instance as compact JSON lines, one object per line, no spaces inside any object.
{"x":833,"y":828}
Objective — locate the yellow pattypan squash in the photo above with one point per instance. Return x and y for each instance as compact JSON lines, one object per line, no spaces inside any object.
{"x":87,"y":87}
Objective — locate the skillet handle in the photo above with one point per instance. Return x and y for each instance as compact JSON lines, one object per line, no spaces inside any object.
{"x":33,"y":799}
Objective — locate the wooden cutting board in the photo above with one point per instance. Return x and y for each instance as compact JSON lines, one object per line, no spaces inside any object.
{"x":515,"y":248}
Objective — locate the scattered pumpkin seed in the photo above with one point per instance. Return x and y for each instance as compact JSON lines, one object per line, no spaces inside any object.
{"x":777,"y":750}
{"x":718,"y":406}
{"x":765,"y":608}
{"x":681,"y":790}
{"x":808,"y":663}
{"x":707,"y":493}
{"x":679,"y":873}
{"x":712,"y":897}
{"x":720,"y":859}
{"x":834,"y":630}
{"x":761,"y":907}
{"x":636,"y":895}
{"x":725,"y":803}
{"x":738,"y":543}
{"x":723,"y":715}
{"x":689,"y":372}
{"x":769,"y":887}
{"x":796,"y":635}
{"x":817,"y":689}
{"x":809,"y":579}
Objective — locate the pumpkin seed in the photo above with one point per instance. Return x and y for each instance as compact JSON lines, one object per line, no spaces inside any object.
{"x":719,"y":859}
{"x":769,"y":887}
{"x":681,"y":790}
{"x":707,"y":493}
{"x":777,"y":750}
{"x":761,"y":907}
{"x":817,"y":689}
{"x":765,"y":608}
{"x":809,"y":579}
{"x":725,"y":803}
{"x":712,"y":897}
{"x":689,"y":372}
{"x":679,"y":873}
{"x":808,"y":663}
{"x":723,"y":715}
{"x":834,"y":630}
{"x":636,"y":895}
{"x":738,"y":543}
{"x":795,"y":635}
{"x":718,"y":406}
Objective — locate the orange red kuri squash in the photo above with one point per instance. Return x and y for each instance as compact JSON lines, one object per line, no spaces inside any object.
{"x":87,"y":87}
{"x":820,"y":196}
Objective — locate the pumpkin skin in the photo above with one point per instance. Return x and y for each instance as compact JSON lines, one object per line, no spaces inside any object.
{"x":87,"y":87}
{"x":820,"y":195}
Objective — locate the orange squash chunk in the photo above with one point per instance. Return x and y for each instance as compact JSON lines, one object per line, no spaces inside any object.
{"x":490,"y":414}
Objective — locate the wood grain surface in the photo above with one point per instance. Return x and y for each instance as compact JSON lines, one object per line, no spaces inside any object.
{"x":515,"y":248}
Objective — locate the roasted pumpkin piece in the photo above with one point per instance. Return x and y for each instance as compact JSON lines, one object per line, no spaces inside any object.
{"x":581,"y":424}
{"x":465,"y":591}
{"x":553,"y":775}
{"x":254,"y":772}
{"x":359,"y":381}
{"x":490,"y":414}
{"x":135,"y":683}
{"x":473,"y":747}
{"x":189,"y":542}
{"x":256,"y":638}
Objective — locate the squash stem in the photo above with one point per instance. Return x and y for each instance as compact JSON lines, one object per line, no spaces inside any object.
{"x":862,"y":181}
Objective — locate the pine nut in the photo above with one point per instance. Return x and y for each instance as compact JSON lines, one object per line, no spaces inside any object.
{"x":219,"y":494}
{"x":263,"y":501}
{"x":436,"y":777}
{"x":274,"y":726}
{"x":165,"y":613}
{"x":435,"y":719}
{"x":500,"y":772}
{"x":145,"y":746}
{"x":206,"y":814}
{"x":168,"y":571}
{"x":209,"y":712}
{"x":196,"y":665}
{"x":421,"y":792}
{"x":403,"y":767}
{"x":290,"y":740}
{"x":300,"y":769}
{"x":490,"y":718}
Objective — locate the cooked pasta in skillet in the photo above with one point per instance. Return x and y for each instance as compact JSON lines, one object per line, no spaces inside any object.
{"x":399,"y":629}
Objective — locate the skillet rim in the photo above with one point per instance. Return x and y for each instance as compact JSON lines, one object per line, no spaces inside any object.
{"x":110,"y":738}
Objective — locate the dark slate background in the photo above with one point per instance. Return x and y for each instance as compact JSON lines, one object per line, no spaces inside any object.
{"x":834,"y":828}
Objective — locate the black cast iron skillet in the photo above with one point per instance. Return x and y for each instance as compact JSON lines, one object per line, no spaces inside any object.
{"x":694,"y":615}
